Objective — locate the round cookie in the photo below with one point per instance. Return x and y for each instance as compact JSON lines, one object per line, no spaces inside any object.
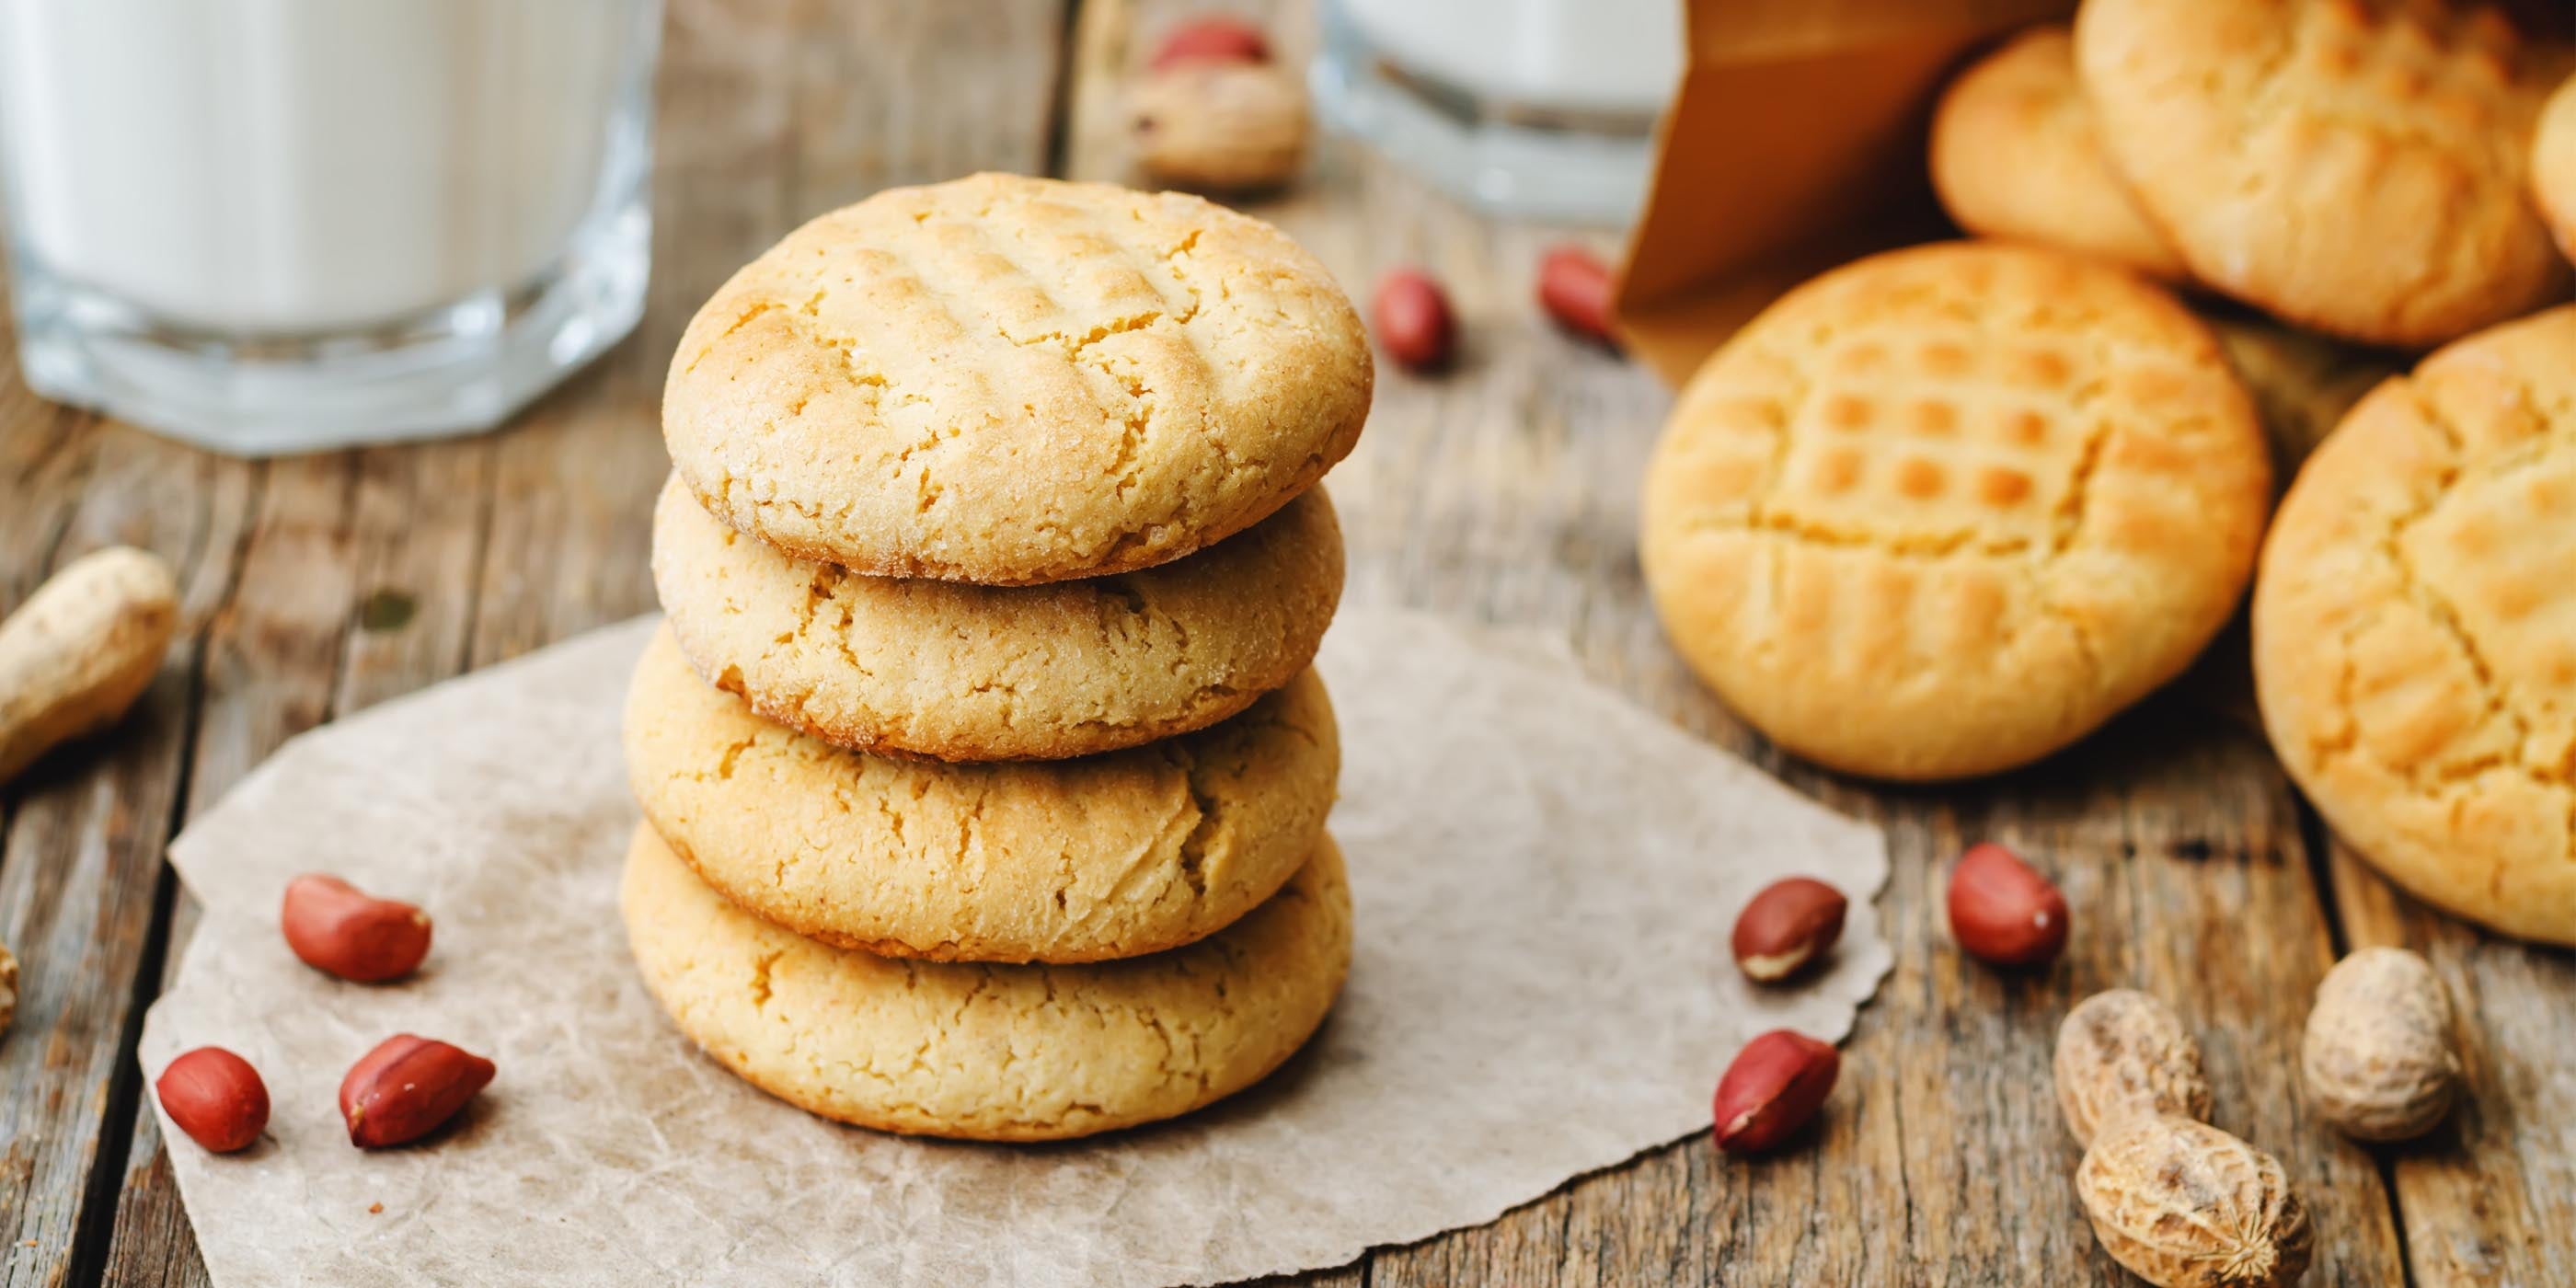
{"x":960,"y":672}
{"x":2015,"y":154}
{"x":2553,"y":166}
{"x":989,"y":1052}
{"x":2353,"y":166}
{"x":1944,"y":510}
{"x":1007,"y":380}
{"x":1065,"y":861}
{"x":2415,"y":628}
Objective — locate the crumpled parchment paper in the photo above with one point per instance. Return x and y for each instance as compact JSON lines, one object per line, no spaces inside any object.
{"x":1544,"y":878}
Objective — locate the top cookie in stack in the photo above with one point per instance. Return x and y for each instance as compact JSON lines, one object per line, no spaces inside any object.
{"x":1008,"y":381}
{"x":994,"y":566}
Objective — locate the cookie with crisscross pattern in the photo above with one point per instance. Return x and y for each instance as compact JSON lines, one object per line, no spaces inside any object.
{"x":1008,"y":380}
{"x":1103,"y":856}
{"x":1944,"y":510}
{"x":2354,"y":166}
{"x":2415,"y":628}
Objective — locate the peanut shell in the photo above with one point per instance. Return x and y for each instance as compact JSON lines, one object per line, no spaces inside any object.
{"x":81,"y":650}
{"x":1219,"y":127}
{"x":2185,"y":1205}
{"x":2377,"y":1058}
{"x":2123,"y":1053}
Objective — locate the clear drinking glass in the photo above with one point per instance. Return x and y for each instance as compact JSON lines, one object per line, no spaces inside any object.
{"x":1541,"y":108}
{"x":273,"y":226}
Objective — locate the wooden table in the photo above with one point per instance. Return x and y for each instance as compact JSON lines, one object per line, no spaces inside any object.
{"x":1505,"y":491}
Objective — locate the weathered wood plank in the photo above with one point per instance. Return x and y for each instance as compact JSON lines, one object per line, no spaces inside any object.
{"x":45,"y":453}
{"x":1506,"y":490}
{"x":80,"y":865}
{"x":216,"y":574}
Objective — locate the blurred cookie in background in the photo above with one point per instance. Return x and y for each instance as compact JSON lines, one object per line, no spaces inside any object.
{"x":2016,"y":155}
{"x":2356,"y":168}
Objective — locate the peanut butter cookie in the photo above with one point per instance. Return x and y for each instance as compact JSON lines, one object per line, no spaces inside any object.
{"x":2415,"y":628}
{"x":2553,"y":166}
{"x":961,"y":672}
{"x":989,"y":1052}
{"x":2016,"y":155}
{"x":1066,"y":861}
{"x":1945,"y":510}
{"x":1007,"y":380}
{"x":2353,"y":166}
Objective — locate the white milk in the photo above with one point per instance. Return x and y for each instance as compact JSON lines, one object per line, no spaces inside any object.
{"x":303,"y":164}
{"x":280,"y":225}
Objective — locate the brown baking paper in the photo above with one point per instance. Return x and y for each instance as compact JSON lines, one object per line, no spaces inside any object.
{"x":1544,"y":877}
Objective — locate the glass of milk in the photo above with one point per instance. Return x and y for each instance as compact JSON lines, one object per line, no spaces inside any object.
{"x":271,"y":226}
{"x":1542,"y":108}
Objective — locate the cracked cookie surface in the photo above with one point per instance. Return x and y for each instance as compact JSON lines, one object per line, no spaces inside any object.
{"x":1068,"y":860}
{"x":2415,"y":628}
{"x":961,"y":672}
{"x":2015,"y":154}
{"x":1006,"y":380}
{"x":1947,"y":509}
{"x":2353,"y":166}
{"x":989,"y":1052}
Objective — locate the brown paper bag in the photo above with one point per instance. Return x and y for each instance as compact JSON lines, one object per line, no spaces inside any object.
{"x":1796,"y":142}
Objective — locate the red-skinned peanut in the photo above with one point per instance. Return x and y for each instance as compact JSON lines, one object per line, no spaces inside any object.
{"x":1775,"y":1085}
{"x":338,"y":929}
{"x":1213,"y":39}
{"x":1574,"y":287}
{"x":214,"y":1096}
{"x":1413,"y":320}
{"x":2002,"y":911}
{"x":406,"y":1088}
{"x":1787,"y":928}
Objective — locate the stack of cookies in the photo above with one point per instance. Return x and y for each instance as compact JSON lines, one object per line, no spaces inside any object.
{"x":983,"y":771}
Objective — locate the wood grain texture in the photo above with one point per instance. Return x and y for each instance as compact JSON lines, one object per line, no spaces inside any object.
{"x":1503,"y":491}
